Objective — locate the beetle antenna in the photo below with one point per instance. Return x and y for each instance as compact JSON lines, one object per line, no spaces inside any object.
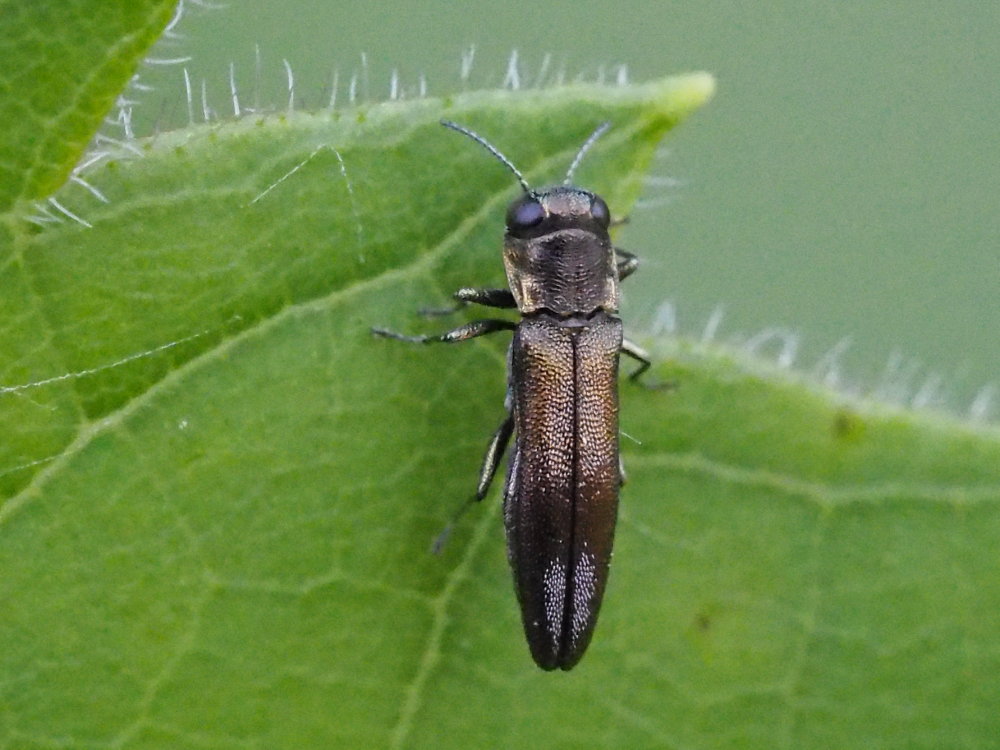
{"x":491,"y":148}
{"x":601,"y":130}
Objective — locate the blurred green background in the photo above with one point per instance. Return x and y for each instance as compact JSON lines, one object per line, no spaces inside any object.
{"x":843,"y":183}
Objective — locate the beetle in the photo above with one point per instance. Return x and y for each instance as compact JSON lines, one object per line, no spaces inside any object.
{"x":560,"y":497}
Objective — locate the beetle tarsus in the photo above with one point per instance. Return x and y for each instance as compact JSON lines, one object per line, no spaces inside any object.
{"x":639,"y":354}
{"x":501,"y":298}
{"x":627,"y":263}
{"x":462,"y":333}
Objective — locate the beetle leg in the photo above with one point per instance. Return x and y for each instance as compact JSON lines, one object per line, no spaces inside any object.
{"x":488,"y":297}
{"x":494,"y":452}
{"x":639,"y":354}
{"x":627,"y":263}
{"x":462,"y":333}
{"x":467,"y":295}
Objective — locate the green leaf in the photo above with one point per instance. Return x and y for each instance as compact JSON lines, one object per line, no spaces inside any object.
{"x":220,"y":490}
{"x":63,"y":65}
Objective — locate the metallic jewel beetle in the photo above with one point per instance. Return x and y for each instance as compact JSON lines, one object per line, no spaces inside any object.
{"x":561,"y":493}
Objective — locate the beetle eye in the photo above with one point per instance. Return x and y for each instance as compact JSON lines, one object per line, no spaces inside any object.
{"x":525,"y":213}
{"x":599,"y":210}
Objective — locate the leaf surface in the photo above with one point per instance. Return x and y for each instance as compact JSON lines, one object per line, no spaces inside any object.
{"x":220,"y":490}
{"x":63,"y":64}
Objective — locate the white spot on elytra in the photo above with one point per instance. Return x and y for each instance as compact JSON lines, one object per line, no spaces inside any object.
{"x":554,"y":582}
{"x":584,"y":589}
